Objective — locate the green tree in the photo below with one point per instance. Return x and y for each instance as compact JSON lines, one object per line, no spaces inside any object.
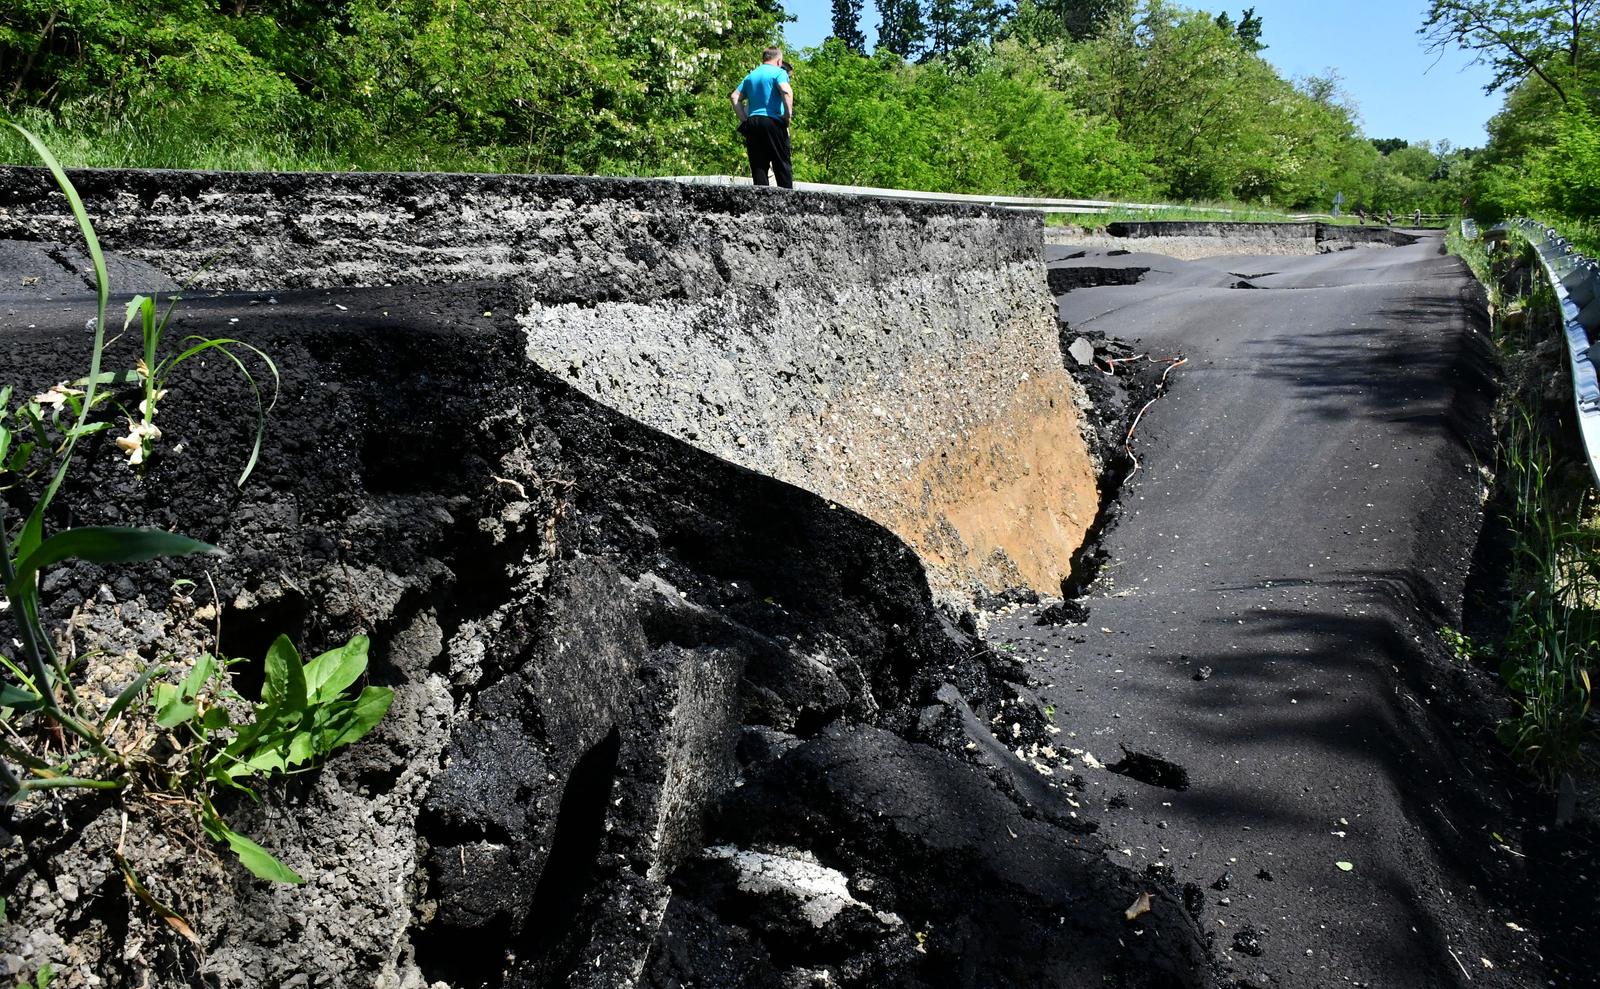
{"x":993,"y":126}
{"x":847,"y":25}
{"x":956,"y":24}
{"x":1517,"y":38}
{"x":1248,"y":30}
{"x":901,"y":29}
{"x":946,"y":28}
{"x":56,"y":53}
{"x":1082,"y":19}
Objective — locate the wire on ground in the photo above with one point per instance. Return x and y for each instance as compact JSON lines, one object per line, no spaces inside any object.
{"x":1172,"y":363}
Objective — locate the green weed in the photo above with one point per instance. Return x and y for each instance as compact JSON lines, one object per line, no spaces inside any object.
{"x":1554,"y":627}
{"x":53,"y":739}
{"x":43,"y":979}
{"x":1554,"y":624}
{"x":1202,"y":212}
{"x":1475,"y":253}
{"x":304,"y":715}
{"x":1459,"y":643}
{"x":151,"y":373}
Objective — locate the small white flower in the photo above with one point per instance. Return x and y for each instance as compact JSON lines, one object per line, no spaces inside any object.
{"x":144,"y":404}
{"x":134,"y":444}
{"x":56,"y":396}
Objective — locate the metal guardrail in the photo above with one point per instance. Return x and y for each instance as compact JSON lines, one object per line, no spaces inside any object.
{"x":1576,"y":281}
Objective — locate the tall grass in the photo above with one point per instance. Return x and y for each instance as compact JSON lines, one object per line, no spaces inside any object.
{"x":193,"y":136}
{"x":1203,"y":212}
{"x":1475,"y":252}
{"x":1584,"y":234}
{"x":1553,"y":630}
{"x":1218,"y":212}
{"x":1554,"y":627}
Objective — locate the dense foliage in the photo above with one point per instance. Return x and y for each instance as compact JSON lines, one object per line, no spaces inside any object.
{"x":1129,"y":98}
{"x":550,"y":85}
{"x":1543,"y":155}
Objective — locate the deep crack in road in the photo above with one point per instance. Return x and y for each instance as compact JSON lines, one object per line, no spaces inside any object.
{"x":1304,"y":522}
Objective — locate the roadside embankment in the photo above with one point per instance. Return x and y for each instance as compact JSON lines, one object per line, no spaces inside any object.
{"x":1191,"y":240}
{"x":897,"y":358}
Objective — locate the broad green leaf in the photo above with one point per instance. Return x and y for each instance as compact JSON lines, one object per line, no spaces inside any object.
{"x":173,"y":714}
{"x":215,"y":719}
{"x":283,"y":692}
{"x":255,"y":858}
{"x":204,"y":669}
{"x":103,"y":544}
{"x":220,"y":773}
{"x":301,"y":749}
{"x":329,"y":674}
{"x":19,"y":456}
{"x":259,"y":861}
{"x":365,"y":714}
{"x":264,"y":761}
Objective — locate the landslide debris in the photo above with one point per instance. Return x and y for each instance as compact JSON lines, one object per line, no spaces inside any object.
{"x":659,"y":720}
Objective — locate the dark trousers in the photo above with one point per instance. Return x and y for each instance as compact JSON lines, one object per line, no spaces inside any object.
{"x":766,"y":141}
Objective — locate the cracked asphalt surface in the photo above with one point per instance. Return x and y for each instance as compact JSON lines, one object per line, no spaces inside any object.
{"x":1303,"y":524}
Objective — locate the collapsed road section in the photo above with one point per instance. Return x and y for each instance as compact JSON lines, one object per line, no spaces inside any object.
{"x":660,"y":719}
{"x":899,"y":359}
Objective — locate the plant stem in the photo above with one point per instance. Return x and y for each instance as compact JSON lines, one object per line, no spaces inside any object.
{"x":70,"y":782}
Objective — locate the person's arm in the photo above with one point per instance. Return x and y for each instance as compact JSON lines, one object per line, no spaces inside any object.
{"x":788,"y":100}
{"x":738,"y":104}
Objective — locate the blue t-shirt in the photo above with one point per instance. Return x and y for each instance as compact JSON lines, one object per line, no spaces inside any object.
{"x":760,"y":90}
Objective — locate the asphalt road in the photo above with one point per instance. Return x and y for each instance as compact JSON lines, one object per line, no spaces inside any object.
{"x":1302,"y":525}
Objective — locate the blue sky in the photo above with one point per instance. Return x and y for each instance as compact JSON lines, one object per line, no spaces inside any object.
{"x":1402,"y":90}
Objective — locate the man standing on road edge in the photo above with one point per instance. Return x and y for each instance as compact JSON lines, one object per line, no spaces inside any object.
{"x":764,"y":103}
